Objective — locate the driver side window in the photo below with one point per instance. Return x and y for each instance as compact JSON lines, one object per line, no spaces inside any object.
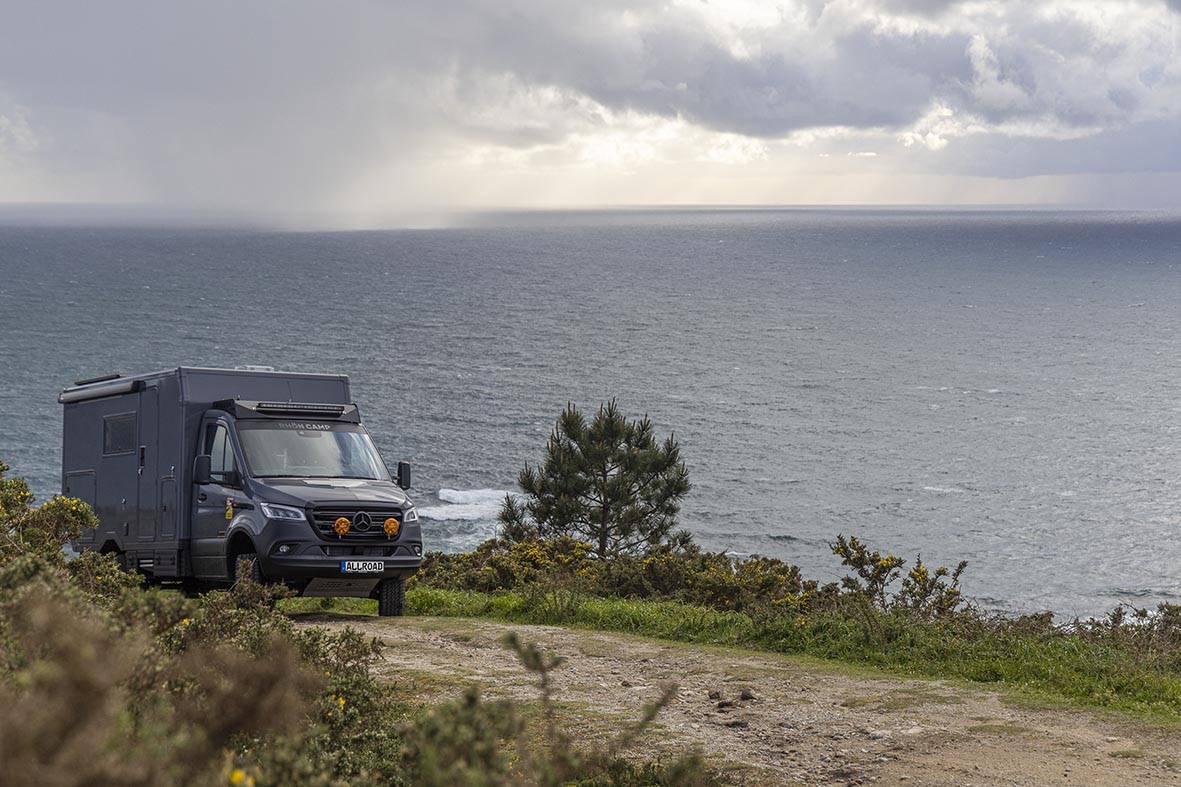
{"x":220,"y":450}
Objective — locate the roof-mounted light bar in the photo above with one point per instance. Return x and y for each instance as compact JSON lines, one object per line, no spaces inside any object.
{"x":334,"y":410}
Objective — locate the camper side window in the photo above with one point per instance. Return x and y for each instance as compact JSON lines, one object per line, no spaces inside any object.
{"x":221,"y":452}
{"x":119,"y":433}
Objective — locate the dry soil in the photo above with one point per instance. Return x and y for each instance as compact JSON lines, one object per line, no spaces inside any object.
{"x":770,"y":719}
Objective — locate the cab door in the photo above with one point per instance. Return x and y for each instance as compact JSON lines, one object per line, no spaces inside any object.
{"x":209,"y":502}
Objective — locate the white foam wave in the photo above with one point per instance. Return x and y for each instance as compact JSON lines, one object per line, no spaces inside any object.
{"x":472,"y":496}
{"x":465,"y":505}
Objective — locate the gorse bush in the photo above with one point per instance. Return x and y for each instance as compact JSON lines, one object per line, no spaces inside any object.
{"x":680,"y":570}
{"x":105,"y":682}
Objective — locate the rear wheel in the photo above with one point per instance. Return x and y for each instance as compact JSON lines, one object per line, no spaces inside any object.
{"x":391,"y":597}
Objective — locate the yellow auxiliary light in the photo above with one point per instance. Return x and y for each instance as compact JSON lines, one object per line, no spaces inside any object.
{"x":341,"y":525}
{"x":392,"y":526}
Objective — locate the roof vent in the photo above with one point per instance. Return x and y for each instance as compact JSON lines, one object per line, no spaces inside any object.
{"x":102,"y":378}
{"x":253,"y":368}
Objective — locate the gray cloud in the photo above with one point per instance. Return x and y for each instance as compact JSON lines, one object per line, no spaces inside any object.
{"x":284,"y":104}
{"x":923,"y":7}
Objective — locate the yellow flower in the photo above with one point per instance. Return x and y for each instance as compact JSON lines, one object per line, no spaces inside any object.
{"x":237,"y":776}
{"x":340,"y":702}
{"x":186,"y":621}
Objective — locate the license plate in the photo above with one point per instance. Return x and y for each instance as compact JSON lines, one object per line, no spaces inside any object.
{"x":362,"y":566}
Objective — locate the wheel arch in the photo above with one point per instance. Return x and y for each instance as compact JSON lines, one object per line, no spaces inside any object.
{"x":239,"y":543}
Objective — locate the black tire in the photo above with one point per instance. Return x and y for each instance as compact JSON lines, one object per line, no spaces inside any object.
{"x":255,"y":567}
{"x":391,"y":598}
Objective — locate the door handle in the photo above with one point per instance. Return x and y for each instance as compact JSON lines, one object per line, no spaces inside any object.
{"x":202,"y":497}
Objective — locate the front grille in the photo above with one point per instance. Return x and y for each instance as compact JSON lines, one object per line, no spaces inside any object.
{"x":365,"y":524}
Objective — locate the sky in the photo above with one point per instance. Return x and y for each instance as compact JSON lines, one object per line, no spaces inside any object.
{"x":371,"y":108}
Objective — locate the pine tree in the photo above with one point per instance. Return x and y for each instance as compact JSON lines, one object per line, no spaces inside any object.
{"x":608,"y":482}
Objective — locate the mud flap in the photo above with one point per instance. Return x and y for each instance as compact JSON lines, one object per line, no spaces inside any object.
{"x":361,"y":586}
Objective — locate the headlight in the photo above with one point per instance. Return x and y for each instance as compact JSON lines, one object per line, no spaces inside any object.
{"x":410,"y":515}
{"x":275,"y":511}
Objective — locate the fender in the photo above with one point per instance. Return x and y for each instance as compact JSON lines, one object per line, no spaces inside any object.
{"x":245,"y":524}
{"x":244,"y":521}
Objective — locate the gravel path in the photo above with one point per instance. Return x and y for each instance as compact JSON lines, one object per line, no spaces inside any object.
{"x":774,"y":720}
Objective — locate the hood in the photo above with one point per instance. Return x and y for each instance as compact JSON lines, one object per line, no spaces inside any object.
{"x":301,"y":491}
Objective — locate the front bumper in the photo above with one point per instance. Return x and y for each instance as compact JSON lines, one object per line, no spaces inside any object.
{"x":293,"y":553}
{"x":299,"y":567}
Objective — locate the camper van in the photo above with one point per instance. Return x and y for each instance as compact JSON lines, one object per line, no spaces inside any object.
{"x":191,"y":470}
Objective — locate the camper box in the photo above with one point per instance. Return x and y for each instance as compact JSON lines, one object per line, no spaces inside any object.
{"x":128,"y":445}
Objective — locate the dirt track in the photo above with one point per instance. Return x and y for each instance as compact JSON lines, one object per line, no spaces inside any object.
{"x":801,"y":723}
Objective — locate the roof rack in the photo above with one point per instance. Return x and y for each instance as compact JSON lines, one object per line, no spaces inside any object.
{"x":244,"y":408}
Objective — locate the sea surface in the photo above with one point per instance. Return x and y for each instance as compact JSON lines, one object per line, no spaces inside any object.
{"x":1000,"y":387}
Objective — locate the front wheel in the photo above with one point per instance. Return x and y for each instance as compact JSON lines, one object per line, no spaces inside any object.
{"x":246,"y":564}
{"x":391,"y":597}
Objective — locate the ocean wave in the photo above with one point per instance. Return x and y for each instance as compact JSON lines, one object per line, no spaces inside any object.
{"x":786,"y":538}
{"x":465,"y":505}
{"x":472,"y":496}
{"x":945,"y":490}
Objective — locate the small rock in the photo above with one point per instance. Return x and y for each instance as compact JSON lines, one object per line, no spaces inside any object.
{"x":724,"y":704}
{"x":714,"y":694}
{"x":737,"y":723}
{"x":747,"y":694}
{"x":878,"y":735}
{"x":625,"y":683}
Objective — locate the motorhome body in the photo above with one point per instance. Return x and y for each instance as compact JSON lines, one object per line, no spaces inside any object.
{"x":191,"y":469}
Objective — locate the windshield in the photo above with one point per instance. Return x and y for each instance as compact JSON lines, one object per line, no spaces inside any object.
{"x":289,"y":449}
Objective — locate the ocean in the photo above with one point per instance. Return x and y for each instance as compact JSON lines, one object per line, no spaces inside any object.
{"x":995,"y":386}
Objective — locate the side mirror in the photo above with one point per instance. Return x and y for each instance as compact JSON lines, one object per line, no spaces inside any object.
{"x":201,"y":466}
{"x":404,"y":475}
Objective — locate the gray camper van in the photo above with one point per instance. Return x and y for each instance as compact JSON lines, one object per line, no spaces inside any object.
{"x":191,"y":469}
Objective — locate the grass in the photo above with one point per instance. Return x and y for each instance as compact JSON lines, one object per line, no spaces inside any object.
{"x":1056,"y":669}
